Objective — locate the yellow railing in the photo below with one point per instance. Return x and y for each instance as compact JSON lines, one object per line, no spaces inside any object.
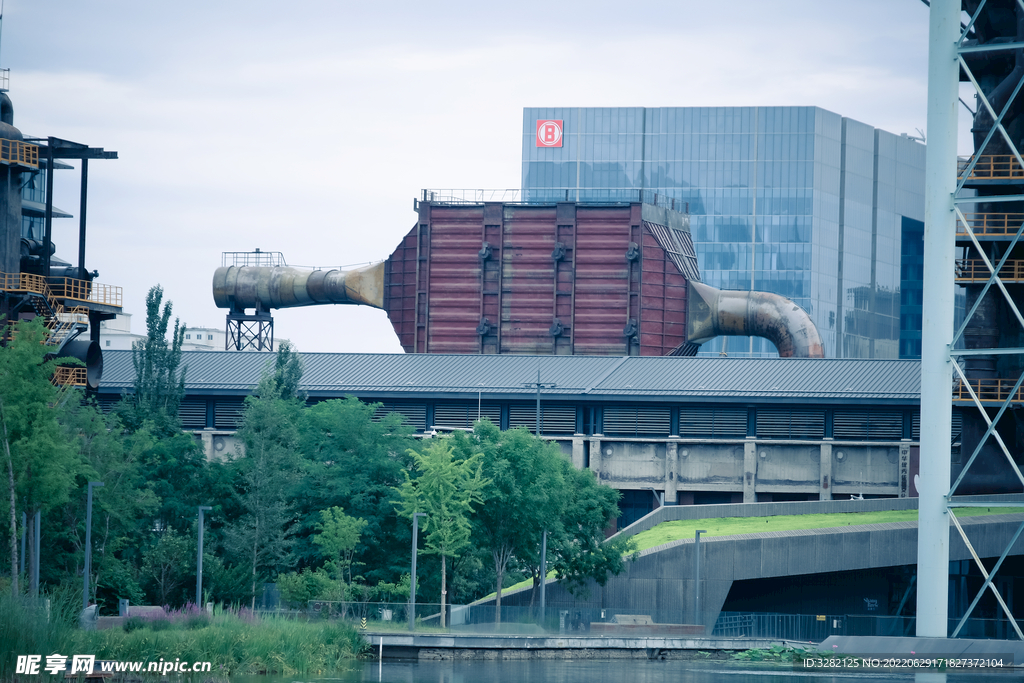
{"x":991,"y":224}
{"x":991,"y":167}
{"x":74,"y":376}
{"x":987,"y":390}
{"x":58,"y":320}
{"x":20,"y":153}
{"x":975,"y":270}
{"x":63,"y":288}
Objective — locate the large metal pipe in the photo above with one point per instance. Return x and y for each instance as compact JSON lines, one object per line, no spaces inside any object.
{"x":264,"y":288}
{"x":90,"y":353}
{"x":715,"y":312}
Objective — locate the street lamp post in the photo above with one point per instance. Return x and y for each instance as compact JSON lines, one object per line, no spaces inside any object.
{"x":539,"y":385}
{"x":199,"y":558}
{"x":696,"y":575}
{"x":543,"y":573}
{"x":88,"y":542}
{"x":412,"y":577}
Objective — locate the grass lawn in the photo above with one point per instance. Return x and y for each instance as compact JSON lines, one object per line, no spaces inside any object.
{"x":666,"y":532}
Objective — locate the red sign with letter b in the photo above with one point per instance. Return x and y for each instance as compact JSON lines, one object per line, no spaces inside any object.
{"x":549,"y":133}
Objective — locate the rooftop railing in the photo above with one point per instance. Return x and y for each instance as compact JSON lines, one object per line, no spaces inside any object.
{"x":553,"y":195}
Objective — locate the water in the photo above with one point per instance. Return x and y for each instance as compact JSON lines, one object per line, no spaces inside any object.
{"x":604,"y":671}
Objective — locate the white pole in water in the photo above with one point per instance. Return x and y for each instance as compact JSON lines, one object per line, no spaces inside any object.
{"x":937,"y":320}
{"x":380,"y":665}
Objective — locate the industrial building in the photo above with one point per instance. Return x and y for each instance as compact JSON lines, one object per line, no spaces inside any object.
{"x":660,"y":430}
{"x":797,"y":201}
{"x":563,"y":278}
{"x":34,"y":281}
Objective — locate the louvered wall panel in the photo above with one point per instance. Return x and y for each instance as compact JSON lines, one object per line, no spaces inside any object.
{"x":227,"y":414}
{"x":790,"y":424}
{"x":712,"y":422}
{"x":955,"y":426}
{"x":554,"y":419}
{"x":192,"y":413}
{"x":641,"y":421}
{"x":864,"y":425}
{"x":106,"y":402}
{"x":415,"y":414}
{"x":463,"y":415}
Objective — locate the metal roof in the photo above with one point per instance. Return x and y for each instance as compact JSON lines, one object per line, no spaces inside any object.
{"x":602,"y":377}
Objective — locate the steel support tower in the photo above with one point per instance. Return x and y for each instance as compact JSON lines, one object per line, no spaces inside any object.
{"x":974,"y":219}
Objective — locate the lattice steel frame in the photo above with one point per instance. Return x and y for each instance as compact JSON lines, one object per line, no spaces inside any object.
{"x":249,"y":332}
{"x":933,"y":531}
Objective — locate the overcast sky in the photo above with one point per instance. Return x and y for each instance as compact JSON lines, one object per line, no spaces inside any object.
{"x":308,"y":127}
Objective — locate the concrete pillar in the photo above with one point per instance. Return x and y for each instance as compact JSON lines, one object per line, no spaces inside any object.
{"x":937,"y":318}
{"x":671,"y":449}
{"x":825,"y":476}
{"x":595,"y":458}
{"x":578,"y":452}
{"x":749,"y":471}
{"x":206,"y":436}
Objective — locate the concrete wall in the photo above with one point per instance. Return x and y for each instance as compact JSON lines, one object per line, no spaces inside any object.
{"x":819,"y":468}
{"x":661,"y":581}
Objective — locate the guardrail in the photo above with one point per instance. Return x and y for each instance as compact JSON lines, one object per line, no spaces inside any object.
{"x":987,"y":390}
{"x":19,"y":153}
{"x":991,"y":224}
{"x":70,"y":376}
{"x":975,"y":270}
{"x":63,"y":288}
{"x":990,"y":167}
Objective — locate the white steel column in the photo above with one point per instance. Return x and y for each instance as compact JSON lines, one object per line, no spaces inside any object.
{"x":937,"y":319}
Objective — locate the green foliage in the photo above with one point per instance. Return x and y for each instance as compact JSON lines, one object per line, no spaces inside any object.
{"x":525,"y":494}
{"x":577,"y":549}
{"x":351,"y":461}
{"x":266,"y":475}
{"x":44,"y":462}
{"x":26,"y":628}
{"x":159,"y":384}
{"x":337,"y":536}
{"x":166,"y":565}
{"x":666,"y":532}
{"x":445,"y":489}
{"x":235,"y":644}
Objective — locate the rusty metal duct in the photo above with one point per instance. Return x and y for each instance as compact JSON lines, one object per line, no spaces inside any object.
{"x":714,"y":312}
{"x":263,"y":288}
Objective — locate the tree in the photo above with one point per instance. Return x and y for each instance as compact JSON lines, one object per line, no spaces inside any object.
{"x":577,"y":549}
{"x":266,"y":471}
{"x":165,"y":564}
{"x":526,"y":495}
{"x":159,"y":384}
{"x":445,"y":489}
{"x":352,"y":461}
{"x":338,"y":536}
{"x":41,"y":463}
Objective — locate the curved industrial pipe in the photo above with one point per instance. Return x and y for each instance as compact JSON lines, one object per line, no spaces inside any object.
{"x":715,"y":312}
{"x":242,"y":287}
{"x":7,"y":111}
{"x":90,"y":353}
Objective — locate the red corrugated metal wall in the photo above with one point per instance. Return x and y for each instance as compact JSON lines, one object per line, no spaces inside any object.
{"x":558,"y":279}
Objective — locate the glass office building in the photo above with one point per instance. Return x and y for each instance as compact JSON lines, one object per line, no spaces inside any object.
{"x":793,"y":200}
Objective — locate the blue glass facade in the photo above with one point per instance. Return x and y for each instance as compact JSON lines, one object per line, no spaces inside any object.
{"x":793,"y":200}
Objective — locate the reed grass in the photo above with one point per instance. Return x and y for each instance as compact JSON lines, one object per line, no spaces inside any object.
{"x":234,"y":642}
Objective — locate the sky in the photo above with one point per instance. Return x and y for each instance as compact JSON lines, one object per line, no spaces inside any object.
{"x":308,"y":127}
